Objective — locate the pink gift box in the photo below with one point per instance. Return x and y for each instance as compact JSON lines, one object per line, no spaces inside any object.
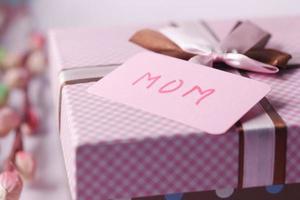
{"x":113,"y":151}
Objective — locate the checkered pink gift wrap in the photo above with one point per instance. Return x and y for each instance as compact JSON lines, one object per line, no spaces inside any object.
{"x":113,"y":151}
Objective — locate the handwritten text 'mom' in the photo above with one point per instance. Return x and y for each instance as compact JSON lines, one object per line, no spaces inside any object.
{"x":173,"y":86}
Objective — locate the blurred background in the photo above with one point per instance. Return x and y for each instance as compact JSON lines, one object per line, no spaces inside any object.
{"x":49,"y":13}
{"x":21,"y":20}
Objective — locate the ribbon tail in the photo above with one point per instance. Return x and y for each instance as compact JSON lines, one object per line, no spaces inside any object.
{"x":241,"y":61}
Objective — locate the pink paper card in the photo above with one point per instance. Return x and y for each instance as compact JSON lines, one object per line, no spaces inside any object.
{"x":202,"y":97}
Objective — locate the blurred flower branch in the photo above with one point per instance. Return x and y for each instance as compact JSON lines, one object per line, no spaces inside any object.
{"x":17,"y":70}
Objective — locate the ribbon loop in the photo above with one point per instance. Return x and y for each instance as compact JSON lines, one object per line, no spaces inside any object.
{"x":245,"y":36}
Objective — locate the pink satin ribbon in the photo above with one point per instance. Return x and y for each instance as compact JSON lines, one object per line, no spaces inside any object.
{"x":235,"y":60}
{"x":196,"y":39}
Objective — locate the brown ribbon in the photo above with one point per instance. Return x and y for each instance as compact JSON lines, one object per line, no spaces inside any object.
{"x":157,"y":42}
{"x":270,"y":56}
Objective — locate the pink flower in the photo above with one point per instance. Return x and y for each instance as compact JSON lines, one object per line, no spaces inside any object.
{"x":16,"y":77}
{"x":26,"y":129}
{"x":36,"y":62}
{"x":36,"y":41}
{"x":25,"y":164}
{"x":10,"y":184}
{"x":9,"y":120}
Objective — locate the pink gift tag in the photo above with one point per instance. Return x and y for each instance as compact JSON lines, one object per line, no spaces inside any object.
{"x":199,"y":96}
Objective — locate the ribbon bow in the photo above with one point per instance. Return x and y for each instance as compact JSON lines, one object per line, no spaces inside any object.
{"x":242,"y":48}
